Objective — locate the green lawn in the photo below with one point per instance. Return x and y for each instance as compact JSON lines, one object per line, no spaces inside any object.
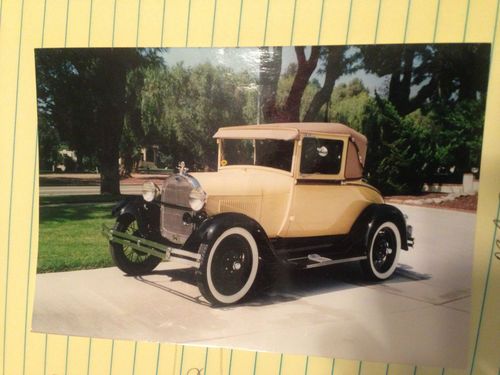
{"x":70,"y":236}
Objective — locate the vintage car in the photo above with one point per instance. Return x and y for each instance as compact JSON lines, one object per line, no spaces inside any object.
{"x":289,"y":194}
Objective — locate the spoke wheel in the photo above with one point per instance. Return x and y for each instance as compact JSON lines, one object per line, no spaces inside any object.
{"x":129,"y":260}
{"x":133,"y":255}
{"x":229,"y":267}
{"x":383,"y":254}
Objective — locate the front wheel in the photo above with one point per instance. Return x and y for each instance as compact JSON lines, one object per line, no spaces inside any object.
{"x":383,"y":253}
{"x":228,"y":267}
{"x":131,"y":261}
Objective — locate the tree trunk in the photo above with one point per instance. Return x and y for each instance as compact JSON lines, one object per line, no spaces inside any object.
{"x":110,"y":120}
{"x":333,"y":72}
{"x":110,"y":177}
{"x":400,"y":84}
{"x":269,"y":74}
{"x":305,"y":68}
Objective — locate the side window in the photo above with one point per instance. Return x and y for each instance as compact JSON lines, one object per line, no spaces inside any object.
{"x":321,"y":156}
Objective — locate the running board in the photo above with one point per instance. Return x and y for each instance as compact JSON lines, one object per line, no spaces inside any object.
{"x":150,"y":247}
{"x":315,"y":260}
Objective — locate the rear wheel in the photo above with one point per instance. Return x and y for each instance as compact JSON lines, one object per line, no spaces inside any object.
{"x":228,"y":267}
{"x":127,"y":259}
{"x":383,"y":254}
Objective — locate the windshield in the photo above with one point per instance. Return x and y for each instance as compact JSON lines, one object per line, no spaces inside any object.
{"x":263,"y":152}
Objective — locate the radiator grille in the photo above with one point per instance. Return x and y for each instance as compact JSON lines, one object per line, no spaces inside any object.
{"x":173,"y":227}
{"x":175,"y":203}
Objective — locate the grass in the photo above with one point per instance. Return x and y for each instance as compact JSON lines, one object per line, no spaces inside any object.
{"x":70,"y":234}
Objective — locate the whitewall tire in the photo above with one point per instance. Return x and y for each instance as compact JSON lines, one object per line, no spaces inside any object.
{"x":383,"y":252}
{"x":228,"y":267}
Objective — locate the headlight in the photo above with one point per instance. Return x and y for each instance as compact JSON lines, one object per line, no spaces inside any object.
{"x":197,"y":199}
{"x":150,"y":191}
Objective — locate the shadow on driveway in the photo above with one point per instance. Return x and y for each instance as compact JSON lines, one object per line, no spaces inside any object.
{"x":287,"y":285}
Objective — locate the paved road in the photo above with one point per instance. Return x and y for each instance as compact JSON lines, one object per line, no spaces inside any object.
{"x":420,"y":316}
{"x":84,"y":190}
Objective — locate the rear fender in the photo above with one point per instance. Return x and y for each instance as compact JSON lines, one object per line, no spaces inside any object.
{"x":370,"y":217}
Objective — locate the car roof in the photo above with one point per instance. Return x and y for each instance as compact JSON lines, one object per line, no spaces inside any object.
{"x":287,"y":131}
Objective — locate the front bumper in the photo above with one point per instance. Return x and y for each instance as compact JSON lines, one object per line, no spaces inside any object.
{"x":153,"y":248}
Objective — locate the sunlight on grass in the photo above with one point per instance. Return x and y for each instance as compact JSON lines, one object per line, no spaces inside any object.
{"x":70,"y":237}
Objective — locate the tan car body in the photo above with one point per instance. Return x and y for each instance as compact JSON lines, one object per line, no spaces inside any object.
{"x":287,"y":204}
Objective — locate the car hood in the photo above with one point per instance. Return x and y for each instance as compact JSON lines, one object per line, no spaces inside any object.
{"x":239,"y":186}
{"x":243,"y":182}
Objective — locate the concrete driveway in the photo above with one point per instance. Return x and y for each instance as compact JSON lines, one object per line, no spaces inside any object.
{"x":420,"y":316}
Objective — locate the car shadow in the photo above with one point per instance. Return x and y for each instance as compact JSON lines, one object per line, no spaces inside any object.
{"x":288,"y":285}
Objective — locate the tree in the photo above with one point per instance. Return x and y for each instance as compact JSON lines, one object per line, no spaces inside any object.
{"x":331,"y":61}
{"x":421,"y":74}
{"x":48,"y":143}
{"x":335,"y":64}
{"x":182,"y":107}
{"x":349,"y":102}
{"x":83,"y":93}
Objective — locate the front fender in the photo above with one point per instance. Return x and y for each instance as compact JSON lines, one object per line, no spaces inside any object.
{"x":210,"y":229}
{"x":147,"y":214}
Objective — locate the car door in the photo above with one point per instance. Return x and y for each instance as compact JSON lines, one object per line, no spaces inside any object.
{"x":322,"y":205}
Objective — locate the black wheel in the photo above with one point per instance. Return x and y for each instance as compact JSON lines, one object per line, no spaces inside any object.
{"x":228,"y":267}
{"x":383,"y":253}
{"x":131,"y":261}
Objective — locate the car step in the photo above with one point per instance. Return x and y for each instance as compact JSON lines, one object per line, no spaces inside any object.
{"x":316,"y":260}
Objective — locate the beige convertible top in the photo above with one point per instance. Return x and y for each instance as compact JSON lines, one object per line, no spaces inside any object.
{"x":288,"y":131}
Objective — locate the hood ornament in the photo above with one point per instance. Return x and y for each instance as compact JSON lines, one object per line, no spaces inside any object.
{"x":182,"y":168}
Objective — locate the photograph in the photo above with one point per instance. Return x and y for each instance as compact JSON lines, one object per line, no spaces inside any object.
{"x":313,"y":200}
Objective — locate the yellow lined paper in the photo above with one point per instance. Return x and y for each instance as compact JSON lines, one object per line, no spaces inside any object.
{"x":29,"y":24}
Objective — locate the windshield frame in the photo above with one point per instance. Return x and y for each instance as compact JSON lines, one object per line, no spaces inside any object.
{"x":290,"y":172}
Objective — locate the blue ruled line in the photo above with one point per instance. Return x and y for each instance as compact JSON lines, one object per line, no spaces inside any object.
{"x":466,"y":22}
{"x":138,"y":23}
{"x":436,"y":21}
{"x":158,"y":358}
{"x":239,"y":24}
{"x":265,"y":22}
{"x":230,"y":362}
{"x":377,"y":22}
{"x":114,"y":24}
{"x":321,"y":22}
{"x":486,"y":286}
{"x":348,"y":22}
{"x":293,"y":22}
{"x":90,"y":21}
{"x":26,"y":302}
{"x":163,"y":22}
{"x":12,"y":190}
{"x":66,"y":26}
{"x":407,"y":20}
